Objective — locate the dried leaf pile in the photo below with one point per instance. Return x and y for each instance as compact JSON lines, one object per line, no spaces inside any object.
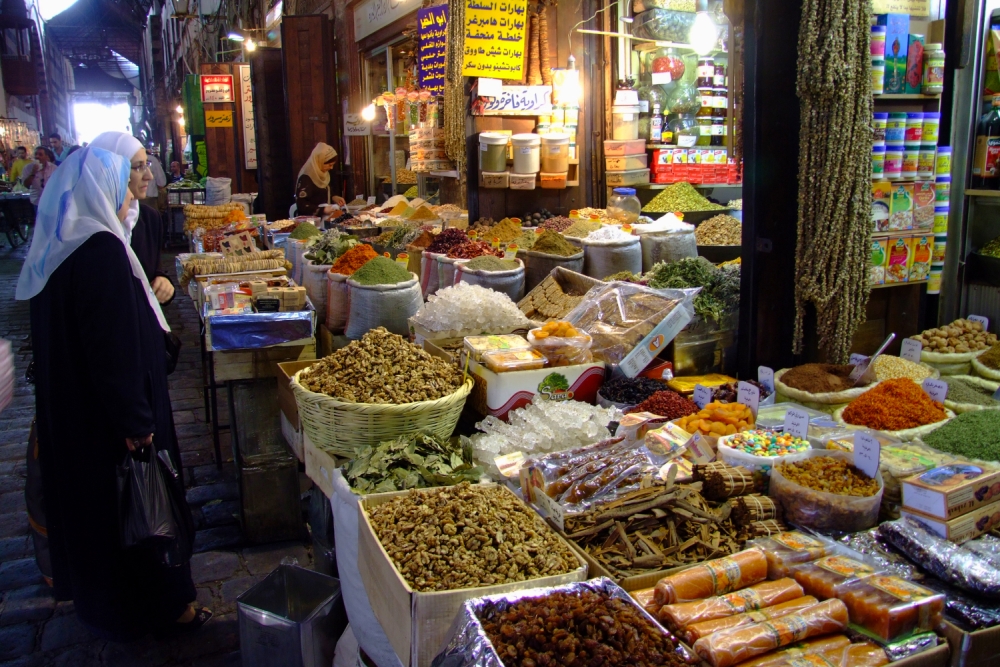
{"x":410,"y":462}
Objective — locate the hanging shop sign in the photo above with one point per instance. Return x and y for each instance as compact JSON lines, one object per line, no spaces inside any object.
{"x":249,"y":129}
{"x":356,"y":126}
{"x":432,"y":29}
{"x":219,"y":118}
{"x":515,"y":101}
{"x":371,"y":15}
{"x":911,"y":7}
{"x":495,"y":36}
{"x":217,"y":88}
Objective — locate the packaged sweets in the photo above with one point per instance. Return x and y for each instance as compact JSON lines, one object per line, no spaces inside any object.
{"x":765,"y":594}
{"x":825,"y":510}
{"x":785,"y":655}
{"x":729,"y":647}
{"x":502,"y":361}
{"x":696,"y":631}
{"x":477,"y":346}
{"x":714,"y":577}
{"x":890,"y":607}
{"x":785,"y":550}
{"x":825,"y":577}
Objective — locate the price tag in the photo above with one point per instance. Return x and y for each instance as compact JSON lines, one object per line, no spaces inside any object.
{"x":765,"y":375}
{"x":490,"y":87}
{"x":797,"y":423}
{"x":702,"y":396}
{"x":910,"y":350}
{"x":371,"y":200}
{"x":857,"y":359}
{"x":553,"y":510}
{"x":985,"y":321}
{"x":661,"y":78}
{"x":867,"y":451}
{"x":936,"y":389}
{"x":748,"y":395}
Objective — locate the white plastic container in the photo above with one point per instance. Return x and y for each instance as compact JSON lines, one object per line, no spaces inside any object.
{"x":527,"y":151}
{"x":624,"y":122}
{"x":555,"y":151}
{"x":493,"y":152}
{"x":626,"y":162}
{"x":633,"y":177}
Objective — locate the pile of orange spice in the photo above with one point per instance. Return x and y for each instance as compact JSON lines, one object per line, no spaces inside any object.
{"x":354,"y":259}
{"x":894,"y":405}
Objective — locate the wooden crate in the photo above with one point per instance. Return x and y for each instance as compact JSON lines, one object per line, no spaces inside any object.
{"x":253,"y":364}
{"x":320,"y":465}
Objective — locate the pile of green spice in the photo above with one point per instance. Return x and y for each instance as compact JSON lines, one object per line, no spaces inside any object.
{"x":491,"y":263}
{"x":381,"y":271}
{"x":623,"y":276}
{"x":991,"y":357}
{"x":963,"y":391}
{"x":553,"y":243}
{"x":526,"y":240}
{"x":582,"y":228}
{"x":305,"y":231}
{"x":975,"y":435}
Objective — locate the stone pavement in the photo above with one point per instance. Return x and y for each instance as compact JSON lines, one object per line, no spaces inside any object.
{"x":34,"y":629}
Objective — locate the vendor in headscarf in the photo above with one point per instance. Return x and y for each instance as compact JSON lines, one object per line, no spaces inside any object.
{"x":100,"y":391}
{"x":143,"y":225}
{"x":312,"y":190}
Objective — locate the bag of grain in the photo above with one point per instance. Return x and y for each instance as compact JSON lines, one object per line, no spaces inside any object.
{"x":315,"y":282}
{"x":382,"y":293}
{"x":605,"y":257}
{"x":336,"y":302}
{"x":490,"y":273}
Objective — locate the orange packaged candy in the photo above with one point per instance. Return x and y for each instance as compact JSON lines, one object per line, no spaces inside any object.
{"x":718,"y":419}
{"x":890,"y":607}
{"x":765,"y":594}
{"x":714,"y":577}
{"x":729,"y":647}
{"x":785,"y":550}
{"x":646,"y":597}
{"x":696,"y":631}
{"x":783,"y":656}
{"x":864,"y":654}
{"x":826,"y":577}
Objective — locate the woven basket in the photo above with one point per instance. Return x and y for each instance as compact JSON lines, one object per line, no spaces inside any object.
{"x":340,"y":427}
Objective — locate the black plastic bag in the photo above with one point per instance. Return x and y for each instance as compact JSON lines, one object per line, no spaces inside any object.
{"x":152,"y":511}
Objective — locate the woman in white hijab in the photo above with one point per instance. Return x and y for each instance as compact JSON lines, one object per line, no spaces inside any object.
{"x":312,"y":190}
{"x":100,"y":390}
{"x":144,"y":228}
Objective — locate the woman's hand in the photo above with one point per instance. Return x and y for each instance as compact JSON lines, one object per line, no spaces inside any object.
{"x":339,"y":201}
{"x":138,"y":443}
{"x":162,"y":289}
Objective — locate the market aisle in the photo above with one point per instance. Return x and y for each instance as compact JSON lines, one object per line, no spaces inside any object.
{"x":34,"y":630}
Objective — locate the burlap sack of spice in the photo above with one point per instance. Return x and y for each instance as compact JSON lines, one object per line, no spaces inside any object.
{"x":314,"y":280}
{"x":825,"y":402}
{"x":984,"y":371}
{"x":336,"y":302}
{"x":603,"y":258}
{"x":510,"y":282}
{"x":389,"y":306}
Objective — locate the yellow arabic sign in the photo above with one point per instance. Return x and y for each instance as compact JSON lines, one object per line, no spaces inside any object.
{"x":911,"y":7}
{"x":218,"y":119}
{"x":495,"y":33}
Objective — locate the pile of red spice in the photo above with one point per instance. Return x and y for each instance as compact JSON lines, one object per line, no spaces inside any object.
{"x":473,"y":249}
{"x":353,"y":259}
{"x":894,"y":405}
{"x":667,"y":404}
{"x":447,"y":240}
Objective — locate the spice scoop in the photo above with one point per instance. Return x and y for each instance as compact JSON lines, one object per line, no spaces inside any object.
{"x":864,"y":372}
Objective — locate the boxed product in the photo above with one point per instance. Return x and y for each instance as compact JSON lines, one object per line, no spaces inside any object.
{"x":898,"y":262}
{"x":877,"y":264}
{"x":476,"y":346}
{"x":920,"y":257}
{"x":923,"y":205}
{"x":901,"y":207}
{"x":914,"y":63}
{"x":881,"y":195}
{"x":498,"y":394}
{"x":962,"y":528}
{"x":951,"y":490}
{"x":897,"y":40}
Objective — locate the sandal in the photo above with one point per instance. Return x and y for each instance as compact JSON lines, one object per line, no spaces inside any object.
{"x":175,"y":629}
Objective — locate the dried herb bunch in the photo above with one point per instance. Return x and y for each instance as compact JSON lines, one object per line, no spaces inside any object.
{"x":466,"y":536}
{"x":410,"y":462}
{"x":454,"y":86}
{"x":579,"y":628}
{"x":834,"y":225}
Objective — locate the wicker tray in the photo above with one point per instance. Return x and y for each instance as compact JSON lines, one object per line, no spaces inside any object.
{"x":340,"y":428}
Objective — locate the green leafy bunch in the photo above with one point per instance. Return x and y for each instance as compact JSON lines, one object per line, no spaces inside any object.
{"x":410,"y":462}
{"x":720,"y":293}
{"x":327,"y":248}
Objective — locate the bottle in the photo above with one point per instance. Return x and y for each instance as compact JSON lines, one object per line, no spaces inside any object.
{"x":986,"y":159}
{"x":656,"y":124}
{"x":706,"y":72}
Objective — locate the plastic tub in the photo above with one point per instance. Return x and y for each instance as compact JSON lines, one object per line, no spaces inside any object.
{"x":878,"y":75}
{"x":893,"y":163}
{"x":493,"y":152}
{"x":619,"y":148}
{"x":553,"y":181}
{"x":942,"y":188}
{"x":925,"y":161}
{"x":932,"y":123}
{"x":878,"y":163}
{"x":877,"y":44}
{"x":895,"y":129}
{"x":735,"y":457}
{"x":911,"y":157}
{"x":940,"y":221}
{"x":942,"y":166}
{"x":523,"y":181}
{"x":624,"y":123}
{"x":626,"y":163}
{"x":496,"y":179}
{"x":563,"y":351}
{"x":772,"y":417}
{"x":914,"y":130}
{"x":879,"y":122}
{"x":621,"y":178}
{"x":555,"y":153}
{"x":527,"y":151}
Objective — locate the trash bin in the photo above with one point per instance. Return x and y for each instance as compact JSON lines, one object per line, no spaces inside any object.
{"x":291,"y":619}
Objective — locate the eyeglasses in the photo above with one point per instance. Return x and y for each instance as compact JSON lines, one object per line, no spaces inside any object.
{"x":140,"y":166}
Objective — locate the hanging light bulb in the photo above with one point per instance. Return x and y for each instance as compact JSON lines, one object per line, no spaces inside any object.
{"x":250,"y":45}
{"x":368,"y":113}
{"x":704,"y":34}
{"x":179,"y":109}
{"x":181,"y":121}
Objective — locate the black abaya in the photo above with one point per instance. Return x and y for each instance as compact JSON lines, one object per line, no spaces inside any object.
{"x":147,"y":242}
{"x":100,"y":379}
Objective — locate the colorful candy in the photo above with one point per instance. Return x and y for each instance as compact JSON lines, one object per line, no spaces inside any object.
{"x":766,"y":443}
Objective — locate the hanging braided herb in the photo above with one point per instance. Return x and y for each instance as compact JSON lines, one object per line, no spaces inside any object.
{"x":454,"y":87}
{"x":834,"y":226}
{"x":534,"y":48}
{"x":543,"y":38}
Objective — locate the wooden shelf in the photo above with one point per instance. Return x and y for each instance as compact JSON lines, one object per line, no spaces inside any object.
{"x":903,"y":233}
{"x":983,"y":193}
{"x":661,"y":186}
{"x":899,"y":97}
{"x":664,"y":44}
{"x":912,"y":282}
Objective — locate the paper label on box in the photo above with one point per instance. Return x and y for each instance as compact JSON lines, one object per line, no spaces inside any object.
{"x":654,"y":343}
{"x":699,"y":450}
{"x":900,"y":589}
{"x":985,"y":321}
{"x":748,"y":395}
{"x":936,"y":389}
{"x":765,"y":375}
{"x":509,"y":465}
{"x":553,"y":510}
{"x":910,"y":350}
{"x":867,"y":452}
{"x":796,"y":541}
{"x":845,"y":567}
{"x":796,"y":423}
{"x":702,"y":396}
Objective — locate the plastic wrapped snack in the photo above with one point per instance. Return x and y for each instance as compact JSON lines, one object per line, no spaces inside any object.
{"x":890,"y":607}
{"x":514,"y":360}
{"x":730,"y":647}
{"x":945,"y":560}
{"x":987,"y":547}
{"x":785,"y":550}
{"x":808,"y":507}
{"x":898,"y":460}
{"x":785,"y":656}
{"x":619,"y":316}
{"x":864,"y":654}
{"x":884,"y":559}
{"x":826,"y":577}
{"x":765,"y":594}
{"x":477,"y":346}
{"x":696,"y":631}
{"x":714,"y":577}
{"x":562,"y":350}
{"x":646,"y":598}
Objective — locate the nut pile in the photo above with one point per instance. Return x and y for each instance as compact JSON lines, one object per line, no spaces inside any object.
{"x":579,"y":628}
{"x":679,"y":197}
{"x":720,"y":230}
{"x":830,"y":475}
{"x":960,"y":336}
{"x":382,"y":368}
{"x":467,"y":536}
{"x":888,"y":367}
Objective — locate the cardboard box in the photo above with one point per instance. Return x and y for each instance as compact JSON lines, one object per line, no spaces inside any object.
{"x":498,"y":394}
{"x":952,"y":490}
{"x":320,"y":465}
{"x":923,"y":206}
{"x":920,"y":257}
{"x":286,"y":399}
{"x":881,"y":196}
{"x":935,"y":657}
{"x":417,"y":623}
{"x":914,"y":64}
{"x":962,"y":528}
{"x":253,"y":364}
{"x":293,"y":436}
{"x":898,"y":261}
{"x":901,"y":207}
{"x":878,"y":260}
{"x":972,"y":649}
{"x":897,"y":40}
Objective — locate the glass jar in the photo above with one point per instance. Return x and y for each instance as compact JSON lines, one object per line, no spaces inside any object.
{"x":718,"y":131}
{"x":683,"y":100}
{"x":492,"y":152}
{"x":933,"y":81}
{"x":706,"y":72}
{"x":623,"y":206}
{"x":555,"y":152}
{"x":704,"y":131}
{"x":719,"y":78}
{"x":706,"y":96}
{"x":720,"y":101}
{"x":687,"y":131}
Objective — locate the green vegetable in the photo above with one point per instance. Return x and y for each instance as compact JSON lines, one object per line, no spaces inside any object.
{"x":720,"y":293}
{"x":304,"y":231}
{"x":962,"y":391}
{"x":975,"y":435}
{"x":381,"y":271}
{"x":327,"y":248}
{"x":410,"y":462}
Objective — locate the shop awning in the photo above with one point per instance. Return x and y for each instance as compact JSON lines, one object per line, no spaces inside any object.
{"x":103,"y":33}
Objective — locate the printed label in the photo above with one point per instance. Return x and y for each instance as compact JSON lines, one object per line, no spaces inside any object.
{"x":740,"y":601}
{"x":899,"y":588}
{"x":788,"y":629}
{"x":509,"y":464}
{"x":845,"y":567}
{"x":987,"y":157}
{"x":725,"y":573}
{"x":796,"y":541}
{"x":809,"y":660}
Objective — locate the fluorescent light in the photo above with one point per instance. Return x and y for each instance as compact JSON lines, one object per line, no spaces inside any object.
{"x":235,"y":36}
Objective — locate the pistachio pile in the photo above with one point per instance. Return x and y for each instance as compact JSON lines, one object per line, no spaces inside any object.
{"x":382,"y":368}
{"x":466,"y":536}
